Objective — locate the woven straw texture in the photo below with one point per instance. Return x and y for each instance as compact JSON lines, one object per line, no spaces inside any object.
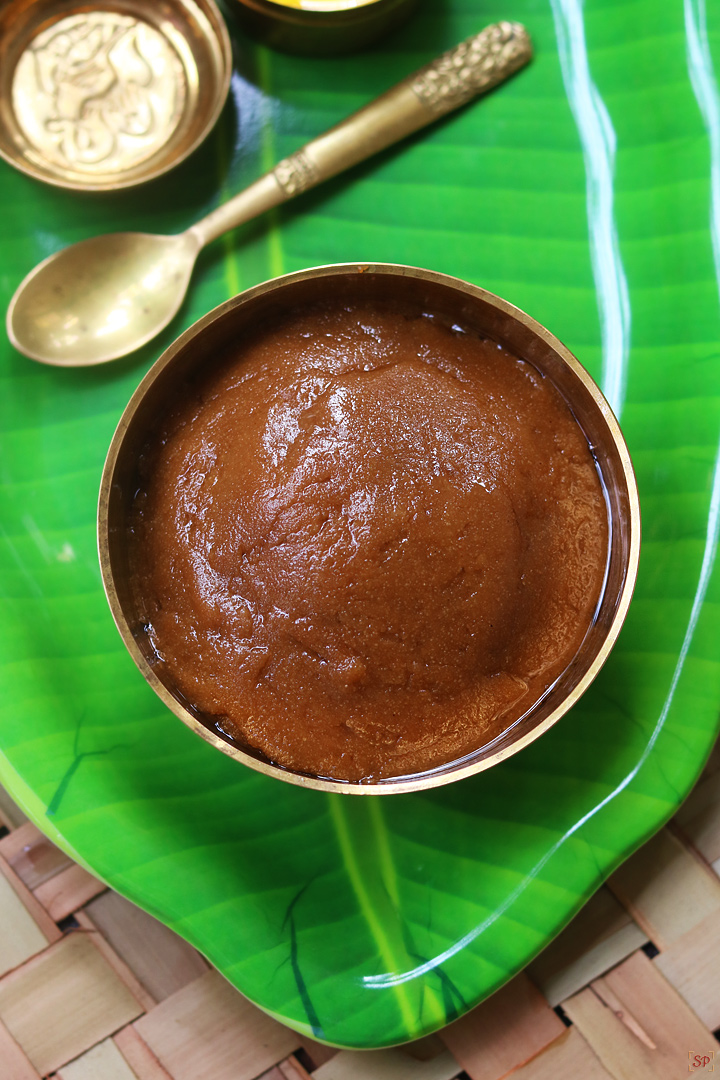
{"x":91,"y":988}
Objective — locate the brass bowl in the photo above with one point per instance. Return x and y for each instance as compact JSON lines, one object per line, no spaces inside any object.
{"x":103,"y":98}
{"x":462,"y":303}
{"x":319,"y":27}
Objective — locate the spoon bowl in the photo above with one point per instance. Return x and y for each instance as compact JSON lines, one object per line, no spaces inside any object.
{"x":101,"y":298}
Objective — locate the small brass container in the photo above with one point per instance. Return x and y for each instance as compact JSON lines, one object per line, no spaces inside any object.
{"x":451,"y":299}
{"x":319,"y":27}
{"x":102,"y":97}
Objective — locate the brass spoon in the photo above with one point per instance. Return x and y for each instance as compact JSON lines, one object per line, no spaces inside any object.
{"x":103,"y":298}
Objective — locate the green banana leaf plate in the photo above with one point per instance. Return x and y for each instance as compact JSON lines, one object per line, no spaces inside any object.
{"x":587,"y":191}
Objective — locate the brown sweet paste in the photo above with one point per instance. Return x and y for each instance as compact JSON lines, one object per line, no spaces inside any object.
{"x":370,"y":543}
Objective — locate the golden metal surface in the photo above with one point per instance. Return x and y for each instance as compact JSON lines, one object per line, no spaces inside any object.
{"x":449,"y":298}
{"x":474,"y":67}
{"x":98,"y":92}
{"x":103,"y":298}
{"x":320,"y":27}
{"x":296,"y":173}
{"x":326,"y":5}
{"x":104,"y":98}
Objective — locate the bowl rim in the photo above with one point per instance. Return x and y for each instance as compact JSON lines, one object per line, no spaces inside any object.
{"x":330,"y":7}
{"x":431,"y":778}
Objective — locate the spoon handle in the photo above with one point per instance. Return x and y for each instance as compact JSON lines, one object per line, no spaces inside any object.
{"x":471,"y":68}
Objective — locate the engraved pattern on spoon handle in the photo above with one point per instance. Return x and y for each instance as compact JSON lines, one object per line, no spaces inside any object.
{"x":473,"y":66}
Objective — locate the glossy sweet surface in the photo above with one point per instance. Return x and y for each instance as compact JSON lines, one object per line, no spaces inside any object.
{"x":368,"y":542}
{"x":583,"y":192}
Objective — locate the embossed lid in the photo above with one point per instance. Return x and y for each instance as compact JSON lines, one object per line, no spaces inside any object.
{"x":108,"y":97}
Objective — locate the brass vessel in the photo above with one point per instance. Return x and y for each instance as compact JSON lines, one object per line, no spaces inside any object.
{"x":102,"y":97}
{"x":319,"y":27}
{"x":450,"y":298}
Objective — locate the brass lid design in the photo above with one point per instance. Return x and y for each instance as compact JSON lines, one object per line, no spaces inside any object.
{"x":105,"y":98}
{"x":98,"y":93}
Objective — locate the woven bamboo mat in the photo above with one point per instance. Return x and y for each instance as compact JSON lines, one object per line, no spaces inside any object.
{"x":91,"y":988}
